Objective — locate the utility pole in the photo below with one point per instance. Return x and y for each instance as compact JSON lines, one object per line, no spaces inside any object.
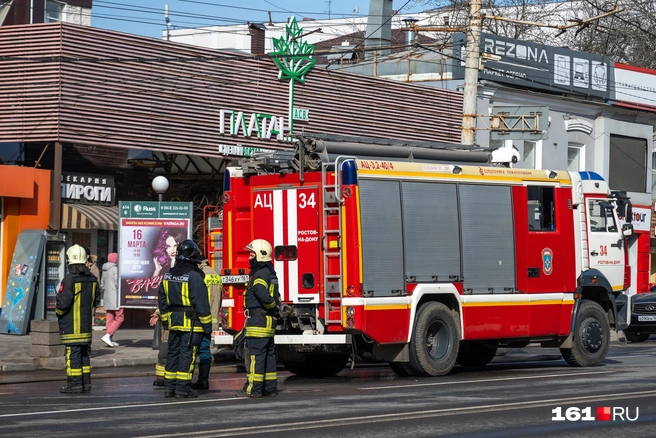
{"x":168,"y":22}
{"x":472,"y":59}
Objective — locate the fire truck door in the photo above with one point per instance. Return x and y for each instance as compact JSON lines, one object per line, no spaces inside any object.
{"x":289,"y":218}
{"x":605,"y":242}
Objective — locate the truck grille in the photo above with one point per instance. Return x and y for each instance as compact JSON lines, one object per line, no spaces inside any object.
{"x":644,"y":308}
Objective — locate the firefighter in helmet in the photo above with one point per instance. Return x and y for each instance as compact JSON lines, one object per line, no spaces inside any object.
{"x":185,"y":311}
{"x":261,"y":305}
{"x":77,"y":296}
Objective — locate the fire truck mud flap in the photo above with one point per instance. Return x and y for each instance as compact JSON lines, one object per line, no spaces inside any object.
{"x":435,"y":340}
{"x":590,"y":337}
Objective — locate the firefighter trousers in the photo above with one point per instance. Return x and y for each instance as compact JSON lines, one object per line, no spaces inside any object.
{"x":260,"y":362}
{"x":78,"y":366}
{"x":180,"y":361}
{"x":162,"y":353}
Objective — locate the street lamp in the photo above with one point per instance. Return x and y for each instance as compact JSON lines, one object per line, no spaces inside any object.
{"x":160,"y":184}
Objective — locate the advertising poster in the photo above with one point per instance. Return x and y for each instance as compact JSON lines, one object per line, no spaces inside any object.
{"x":149,"y":235}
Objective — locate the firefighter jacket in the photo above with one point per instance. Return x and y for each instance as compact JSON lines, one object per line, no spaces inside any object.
{"x":183,"y":299}
{"x":78,"y":295}
{"x":261,"y":301}
{"x":215,"y":291}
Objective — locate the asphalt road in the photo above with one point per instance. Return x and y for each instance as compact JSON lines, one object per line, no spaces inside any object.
{"x":515,"y":396}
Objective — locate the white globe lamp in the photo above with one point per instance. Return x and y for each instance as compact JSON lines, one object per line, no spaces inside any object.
{"x":160,"y":184}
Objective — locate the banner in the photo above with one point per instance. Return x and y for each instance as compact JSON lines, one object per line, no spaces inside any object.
{"x":149,"y":234}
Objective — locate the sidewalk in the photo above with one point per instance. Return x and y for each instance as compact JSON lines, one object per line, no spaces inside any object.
{"x":135,"y":348}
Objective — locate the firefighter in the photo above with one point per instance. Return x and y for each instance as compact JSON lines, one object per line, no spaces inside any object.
{"x":261,"y":304}
{"x":185,"y":311}
{"x":215,"y":293}
{"x":162,"y":349}
{"x":77,"y":296}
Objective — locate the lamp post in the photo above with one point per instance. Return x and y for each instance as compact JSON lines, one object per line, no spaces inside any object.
{"x":160,"y":184}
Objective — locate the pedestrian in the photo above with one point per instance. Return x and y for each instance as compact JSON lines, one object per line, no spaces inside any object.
{"x":92,"y":264}
{"x":163,"y":349}
{"x":77,"y":296}
{"x":109,"y":289}
{"x":261,"y":304}
{"x":215,"y":293}
{"x":185,"y":311}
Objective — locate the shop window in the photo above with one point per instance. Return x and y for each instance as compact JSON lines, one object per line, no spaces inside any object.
{"x":80,"y":238}
{"x":627,"y":168}
{"x":55,"y":11}
{"x":541,"y":209}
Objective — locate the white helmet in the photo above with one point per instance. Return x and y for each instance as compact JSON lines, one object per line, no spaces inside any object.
{"x":76,"y":255}
{"x":261,"y":248}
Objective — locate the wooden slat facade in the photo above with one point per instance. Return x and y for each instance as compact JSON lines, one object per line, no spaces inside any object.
{"x":89,"y":86}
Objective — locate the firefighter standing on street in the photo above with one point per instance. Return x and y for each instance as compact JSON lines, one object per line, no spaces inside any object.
{"x":261,"y":303}
{"x":215,"y":293}
{"x":185,"y":310}
{"x":78,"y":295}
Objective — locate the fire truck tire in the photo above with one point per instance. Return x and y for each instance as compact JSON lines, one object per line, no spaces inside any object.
{"x":318,"y":365}
{"x":591,"y":336}
{"x":476,"y":354}
{"x":401,"y":369}
{"x":434,"y":344}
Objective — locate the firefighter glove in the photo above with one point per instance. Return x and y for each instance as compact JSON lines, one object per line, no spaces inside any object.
{"x":207,"y":329}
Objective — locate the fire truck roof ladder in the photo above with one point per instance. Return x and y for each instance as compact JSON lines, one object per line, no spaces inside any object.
{"x":313,"y":150}
{"x":331,"y":207}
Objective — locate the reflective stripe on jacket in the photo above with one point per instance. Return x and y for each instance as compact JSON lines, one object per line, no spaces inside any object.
{"x":75,"y":302}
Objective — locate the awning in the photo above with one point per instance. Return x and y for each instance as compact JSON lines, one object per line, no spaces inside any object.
{"x":89,"y":217}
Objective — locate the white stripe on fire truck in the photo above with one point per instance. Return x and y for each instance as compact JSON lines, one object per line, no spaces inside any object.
{"x":292,"y":239}
{"x":278,"y":236}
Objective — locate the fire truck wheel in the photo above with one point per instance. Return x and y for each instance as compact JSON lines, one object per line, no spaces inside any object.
{"x":476,"y":353}
{"x":434,"y":344}
{"x":401,"y":369}
{"x":591,"y":336}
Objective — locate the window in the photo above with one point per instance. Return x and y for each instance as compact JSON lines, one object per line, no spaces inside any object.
{"x":54,"y":11}
{"x":575,"y":157}
{"x":601,"y":216}
{"x":541,"y":210}
{"x":627,"y":168}
{"x":529,"y":155}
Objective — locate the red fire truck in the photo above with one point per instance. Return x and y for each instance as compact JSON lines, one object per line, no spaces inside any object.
{"x":428,"y":263}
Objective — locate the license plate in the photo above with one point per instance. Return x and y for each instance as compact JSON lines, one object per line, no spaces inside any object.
{"x":234,"y":279}
{"x":647,"y":318}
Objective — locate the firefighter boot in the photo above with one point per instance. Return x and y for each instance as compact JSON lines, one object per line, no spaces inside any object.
{"x":203,"y":375}
{"x":73,"y":386}
{"x":86,"y":382}
{"x":185,"y":392}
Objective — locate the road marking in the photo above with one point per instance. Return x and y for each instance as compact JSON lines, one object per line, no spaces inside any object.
{"x":169,"y":403}
{"x":68,"y":411}
{"x":500,"y":379}
{"x":402,"y":416}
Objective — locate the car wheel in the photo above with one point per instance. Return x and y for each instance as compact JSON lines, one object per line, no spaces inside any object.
{"x":637,"y":337}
